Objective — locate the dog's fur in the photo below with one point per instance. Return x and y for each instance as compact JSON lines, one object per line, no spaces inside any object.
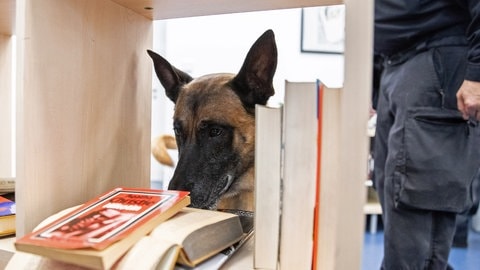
{"x":214,"y":124}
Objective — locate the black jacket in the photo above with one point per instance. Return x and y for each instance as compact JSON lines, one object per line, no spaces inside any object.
{"x":401,"y":25}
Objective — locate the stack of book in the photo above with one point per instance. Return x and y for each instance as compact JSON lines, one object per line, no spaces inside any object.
{"x":290,"y":193}
{"x":130,"y":228}
{"x":290,"y":141}
{"x":7,"y":206}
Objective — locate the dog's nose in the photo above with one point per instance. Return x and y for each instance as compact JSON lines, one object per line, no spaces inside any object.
{"x":181,"y":185}
{"x":199,"y":199}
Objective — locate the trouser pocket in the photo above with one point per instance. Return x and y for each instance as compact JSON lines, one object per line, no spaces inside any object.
{"x":440,"y":162}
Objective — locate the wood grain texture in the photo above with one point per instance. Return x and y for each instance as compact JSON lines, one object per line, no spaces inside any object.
{"x":7,"y":17}
{"x":353,"y":141}
{"x":166,"y":9}
{"x":84,"y":88}
{"x":6,"y":139}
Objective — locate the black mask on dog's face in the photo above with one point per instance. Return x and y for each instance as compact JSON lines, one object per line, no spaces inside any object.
{"x":214,"y":122}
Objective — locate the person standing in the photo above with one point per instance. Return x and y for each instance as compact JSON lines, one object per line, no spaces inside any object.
{"x":427,"y":142}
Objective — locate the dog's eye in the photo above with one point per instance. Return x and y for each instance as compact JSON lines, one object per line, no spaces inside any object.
{"x":215,"y":132}
{"x":177,"y":128}
{"x":177,"y":131}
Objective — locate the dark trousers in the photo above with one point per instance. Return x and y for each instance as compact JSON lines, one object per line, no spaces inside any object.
{"x":416,"y":237}
{"x":461,"y":231}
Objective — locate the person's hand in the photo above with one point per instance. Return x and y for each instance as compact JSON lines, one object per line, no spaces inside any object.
{"x":468,"y":100}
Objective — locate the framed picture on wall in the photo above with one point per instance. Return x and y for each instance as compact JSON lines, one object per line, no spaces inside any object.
{"x":323,"y":29}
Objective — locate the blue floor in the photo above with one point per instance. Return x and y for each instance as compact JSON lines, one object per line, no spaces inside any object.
{"x":460,"y":258}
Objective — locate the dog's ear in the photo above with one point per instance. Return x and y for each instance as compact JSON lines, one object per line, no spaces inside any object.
{"x":171,"y":78}
{"x":254,"y":82}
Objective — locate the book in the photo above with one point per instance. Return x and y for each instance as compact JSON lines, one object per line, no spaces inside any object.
{"x":268,"y":141}
{"x":309,"y":131}
{"x":316,"y":213}
{"x":7,"y":216}
{"x":102,"y":230}
{"x":163,"y":247}
{"x":327,"y":170}
{"x":221,"y":259}
{"x":299,"y":175}
{"x":190,"y":239}
{"x":7,"y":185}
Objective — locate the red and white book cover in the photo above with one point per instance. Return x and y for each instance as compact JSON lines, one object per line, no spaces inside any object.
{"x":105,"y":219}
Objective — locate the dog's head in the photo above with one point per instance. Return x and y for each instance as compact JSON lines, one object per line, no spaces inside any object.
{"x":214,"y":124}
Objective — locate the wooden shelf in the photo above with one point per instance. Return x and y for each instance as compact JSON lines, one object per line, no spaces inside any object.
{"x":84,"y":81}
{"x":165,"y":9}
{"x":7,"y":17}
{"x":372,"y":208}
{"x":83,"y":113}
{"x":6,"y":51}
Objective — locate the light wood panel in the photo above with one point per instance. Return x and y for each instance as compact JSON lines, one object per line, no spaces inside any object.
{"x":165,"y":9}
{"x":84,"y":88}
{"x":7,"y":17}
{"x":5,"y":106}
{"x":353,"y":141}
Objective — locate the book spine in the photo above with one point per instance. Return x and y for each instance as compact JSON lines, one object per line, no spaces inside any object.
{"x":7,"y":184}
{"x":267,"y":186}
{"x":327,"y":187}
{"x":299,"y":179}
{"x":316,"y":217}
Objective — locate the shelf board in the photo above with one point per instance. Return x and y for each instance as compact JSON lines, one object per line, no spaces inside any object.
{"x":372,"y":208}
{"x":7,"y":17}
{"x":166,"y":9}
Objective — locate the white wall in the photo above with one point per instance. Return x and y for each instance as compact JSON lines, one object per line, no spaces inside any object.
{"x":210,"y":44}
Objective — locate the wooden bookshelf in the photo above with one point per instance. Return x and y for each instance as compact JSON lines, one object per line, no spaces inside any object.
{"x":372,"y":208}
{"x":84,"y":88}
{"x":5,"y":105}
{"x":84,"y":101}
{"x":162,"y":9}
{"x":7,"y":17}
{"x":7,"y":8}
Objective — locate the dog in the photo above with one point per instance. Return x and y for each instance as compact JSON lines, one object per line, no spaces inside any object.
{"x":214,"y":126}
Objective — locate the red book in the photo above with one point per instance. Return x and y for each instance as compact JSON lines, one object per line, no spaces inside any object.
{"x":104,"y":228}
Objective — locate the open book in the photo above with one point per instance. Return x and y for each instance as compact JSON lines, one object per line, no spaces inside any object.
{"x":192,"y":238}
{"x":189,"y":238}
{"x":102,"y":230}
{"x":219,"y":260}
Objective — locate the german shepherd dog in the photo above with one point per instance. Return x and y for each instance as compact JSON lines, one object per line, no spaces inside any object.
{"x":214,"y":125}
